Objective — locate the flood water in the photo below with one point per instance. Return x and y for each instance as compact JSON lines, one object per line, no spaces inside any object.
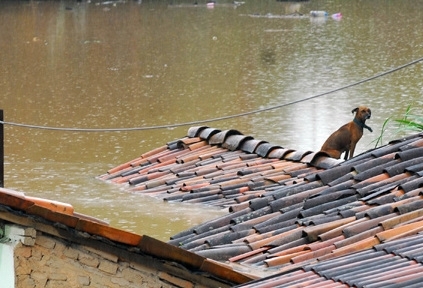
{"x":126,"y":64}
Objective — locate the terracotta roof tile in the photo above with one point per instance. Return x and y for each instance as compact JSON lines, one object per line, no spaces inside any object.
{"x":359,"y":269}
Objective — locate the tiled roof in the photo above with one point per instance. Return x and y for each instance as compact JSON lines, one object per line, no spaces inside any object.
{"x":60,"y":220}
{"x":287,"y":209}
{"x":392,"y":264}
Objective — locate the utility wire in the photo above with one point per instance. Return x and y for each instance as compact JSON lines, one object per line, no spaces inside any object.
{"x":167,"y":126}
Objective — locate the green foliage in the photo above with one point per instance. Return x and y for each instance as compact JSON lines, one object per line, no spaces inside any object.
{"x":379,"y":139}
{"x":409,"y":122}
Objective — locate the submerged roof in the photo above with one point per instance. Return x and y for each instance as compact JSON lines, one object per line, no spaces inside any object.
{"x":216,"y":167}
{"x":288,"y":210}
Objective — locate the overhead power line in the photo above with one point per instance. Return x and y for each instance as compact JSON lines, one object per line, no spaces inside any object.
{"x":191,"y":123}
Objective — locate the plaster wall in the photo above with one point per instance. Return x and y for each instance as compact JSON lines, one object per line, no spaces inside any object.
{"x":7,"y":274}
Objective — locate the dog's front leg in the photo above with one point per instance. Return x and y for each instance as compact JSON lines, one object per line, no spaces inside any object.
{"x":346,"y":155}
{"x":352,"y":151}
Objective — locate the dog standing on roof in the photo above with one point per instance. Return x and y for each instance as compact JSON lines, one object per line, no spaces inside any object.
{"x":345,"y":138}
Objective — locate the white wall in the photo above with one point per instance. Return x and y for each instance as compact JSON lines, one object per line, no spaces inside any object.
{"x":7,"y":271}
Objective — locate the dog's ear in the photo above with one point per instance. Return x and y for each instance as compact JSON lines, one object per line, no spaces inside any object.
{"x":354,"y":110}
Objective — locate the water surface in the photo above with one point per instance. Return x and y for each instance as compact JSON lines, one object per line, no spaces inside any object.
{"x":157,"y":63}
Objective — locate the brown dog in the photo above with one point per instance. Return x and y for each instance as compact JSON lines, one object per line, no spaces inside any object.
{"x":345,"y":138}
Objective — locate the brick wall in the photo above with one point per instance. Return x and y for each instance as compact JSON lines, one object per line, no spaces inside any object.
{"x":54,"y":262}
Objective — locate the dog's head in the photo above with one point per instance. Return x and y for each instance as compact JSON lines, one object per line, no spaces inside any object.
{"x":362,"y":113}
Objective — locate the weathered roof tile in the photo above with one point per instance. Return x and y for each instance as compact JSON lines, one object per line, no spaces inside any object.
{"x":265,"y":148}
{"x":220,"y":137}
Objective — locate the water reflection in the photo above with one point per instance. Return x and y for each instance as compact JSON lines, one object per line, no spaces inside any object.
{"x":132,"y":64}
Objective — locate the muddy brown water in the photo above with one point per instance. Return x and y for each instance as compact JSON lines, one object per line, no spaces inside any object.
{"x":154,"y":63}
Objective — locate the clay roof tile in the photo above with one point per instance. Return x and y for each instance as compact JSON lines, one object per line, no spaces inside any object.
{"x":220,"y":137}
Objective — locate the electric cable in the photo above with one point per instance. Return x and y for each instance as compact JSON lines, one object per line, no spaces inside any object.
{"x":168,"y":126}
